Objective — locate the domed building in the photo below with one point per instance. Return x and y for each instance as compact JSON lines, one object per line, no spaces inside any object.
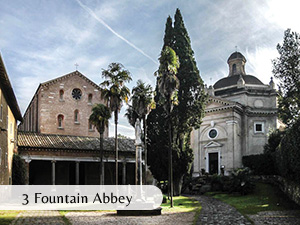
{"x":239,"y":114}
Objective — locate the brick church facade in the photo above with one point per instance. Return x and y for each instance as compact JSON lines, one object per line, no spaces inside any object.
{"x":63,"y":106}
{"x":58,"y":143}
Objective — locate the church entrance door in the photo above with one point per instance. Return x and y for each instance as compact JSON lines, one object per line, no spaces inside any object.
{"x":213,"y":163}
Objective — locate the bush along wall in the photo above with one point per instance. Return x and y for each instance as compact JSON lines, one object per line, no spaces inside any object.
{"x":18,"y":171}
{"x":262,"y":164}
{"x":288,"y":154}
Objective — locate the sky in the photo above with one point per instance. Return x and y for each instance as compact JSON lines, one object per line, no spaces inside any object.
{"x":41,"y":40}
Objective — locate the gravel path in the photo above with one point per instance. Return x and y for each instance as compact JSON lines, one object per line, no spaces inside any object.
{"x":89,"y":218}
{"x":39,"y":217}
{"x":291,"y":217}
{"x":213,"y":212}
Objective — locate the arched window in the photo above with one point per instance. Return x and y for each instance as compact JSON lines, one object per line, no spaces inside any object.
{"x":76,"y":116}
{"x":60,"y":121}
{"x":90,"y":98}
{"x":233,"y":69}
{"x":61,"y":95}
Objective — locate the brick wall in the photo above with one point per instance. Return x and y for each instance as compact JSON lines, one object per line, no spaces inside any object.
{"x":54,"y":99}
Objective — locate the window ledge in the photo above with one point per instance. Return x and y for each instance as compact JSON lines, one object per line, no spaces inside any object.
{"x":60,"y":128}
{"x":61,"y":100}
{"x":77,"y":123}
{"x":89,"y":103}
{"x":91,"y":130}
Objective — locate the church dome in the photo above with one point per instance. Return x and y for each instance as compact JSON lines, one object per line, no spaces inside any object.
{"x":236,"y":55}
{"x":232,"y":80}
{"x":236,"y":63}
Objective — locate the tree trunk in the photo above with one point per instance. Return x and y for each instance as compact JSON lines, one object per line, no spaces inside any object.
{"x":101,"y":158}
{"x":178,"y":185}
{"x":145,"y":150}
{"x":116,"y":145}
{"x":170,"y":162}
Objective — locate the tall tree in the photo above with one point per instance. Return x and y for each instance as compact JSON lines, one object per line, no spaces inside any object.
{"x":168,"y":84}
{"x":142,"y":103}
{"x":115,"y":92}
{"x":157,"y":133}
{"x":189,"y":112}
{"x":191,"y":97}
{"x":99,"y":118}
{"x":286,"y":68}
{"x":131,"y":115}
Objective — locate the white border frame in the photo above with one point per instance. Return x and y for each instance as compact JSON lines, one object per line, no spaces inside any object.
{"x":262,"y":126}
{"x":213,"y":128}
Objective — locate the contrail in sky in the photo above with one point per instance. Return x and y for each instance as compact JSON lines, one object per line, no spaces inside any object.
{"x":114,"y":32}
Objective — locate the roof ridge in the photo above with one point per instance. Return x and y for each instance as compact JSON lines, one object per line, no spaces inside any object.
{"x":67,"y":135}
{"x":76,"y":72}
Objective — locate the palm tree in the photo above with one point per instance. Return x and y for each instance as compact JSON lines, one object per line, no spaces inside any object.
{"x":131,"y":115}
{"x":168,"y":85}
{"x":115,"y":92}
{"x":99,"y":118}
{"x":142,"y":102}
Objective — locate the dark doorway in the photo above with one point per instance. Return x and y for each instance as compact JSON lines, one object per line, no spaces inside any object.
{"x":213,"y":163}
{"x":72,"y":173}
{"x":40,"y":172}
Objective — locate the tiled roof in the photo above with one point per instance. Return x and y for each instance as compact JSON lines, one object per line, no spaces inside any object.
{"x":69,"y":142}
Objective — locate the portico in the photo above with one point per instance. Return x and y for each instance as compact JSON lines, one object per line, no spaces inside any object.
{"x":76,"y":163}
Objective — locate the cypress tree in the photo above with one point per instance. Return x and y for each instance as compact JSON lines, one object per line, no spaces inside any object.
{"x":286,"y":68}
{"x":191,"y":97}
{"x":186,"y":115}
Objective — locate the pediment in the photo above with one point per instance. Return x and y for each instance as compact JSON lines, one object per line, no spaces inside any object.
{"x":213,"y":144}
{"x":217,"y":102}
{"x":69,"y":76}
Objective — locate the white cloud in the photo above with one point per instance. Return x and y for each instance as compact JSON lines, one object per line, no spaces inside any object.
{"x":91,"y":12}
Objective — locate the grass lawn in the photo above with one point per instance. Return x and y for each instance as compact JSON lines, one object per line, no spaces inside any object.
{"x":7,"y":216}
{"x":183,"y":204}
{"x":265,"y":197}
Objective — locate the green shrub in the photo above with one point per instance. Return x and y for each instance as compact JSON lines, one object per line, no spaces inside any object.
{"x":262,"y":164}
{"x":273,"y":141}
{"x":18,"y":171}
{"x":288,"y":154}
{"x":240,"y":181}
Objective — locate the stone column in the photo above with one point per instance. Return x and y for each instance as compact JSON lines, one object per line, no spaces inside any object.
{"x":103,"y":169}
{"x":53,"y":171}
{"x":27,"y":161}
{"x":77,"y":173}
{"x":124,"y":173}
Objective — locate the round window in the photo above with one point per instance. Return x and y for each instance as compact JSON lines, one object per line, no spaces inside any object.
{"x":213,"y":133}
{"x":76,"y":93}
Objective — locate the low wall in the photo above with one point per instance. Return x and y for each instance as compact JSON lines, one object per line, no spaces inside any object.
{"x":290,"y":188}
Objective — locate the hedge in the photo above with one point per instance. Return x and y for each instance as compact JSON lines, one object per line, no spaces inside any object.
{"x":18,"y":171}
{"x":262,"y":164}
{"x":288,"y":154}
